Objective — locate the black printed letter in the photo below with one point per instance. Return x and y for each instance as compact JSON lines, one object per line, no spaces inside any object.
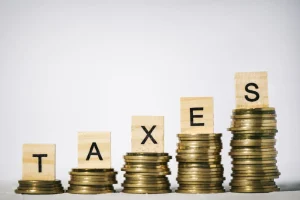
{"x":148,"y":133}
{"x":192,"y":116}
{"x":252,"y":92}
{"x":39,"y":156}
{"x":94,"y":145}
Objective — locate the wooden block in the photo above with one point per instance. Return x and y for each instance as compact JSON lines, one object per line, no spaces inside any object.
{"x":251,"y":89}
{"x":94,"y":150}
{"x":147,"y":134}
{"x":38,"y":162}
{"x":197,"y":115}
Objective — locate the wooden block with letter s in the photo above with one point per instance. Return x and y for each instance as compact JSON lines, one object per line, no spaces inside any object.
{"x":251,"y":89}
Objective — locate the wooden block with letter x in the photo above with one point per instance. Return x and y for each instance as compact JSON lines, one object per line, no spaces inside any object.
{"x":147,"y":134}
{"x":251,"y":89}
{"x":38,"y":162}
{"x":197,"y":115}
{"x":94,"y":150}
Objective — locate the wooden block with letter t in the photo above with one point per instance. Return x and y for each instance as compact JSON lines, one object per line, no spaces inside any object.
{"x":38,"y":162}
{"x":147,"y":134}
{"x":251,"y":89}
{"x":94,"y":150}
{"x":197,"y":115}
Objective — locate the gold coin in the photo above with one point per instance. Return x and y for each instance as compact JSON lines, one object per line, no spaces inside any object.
{"x":200,"y":170}
{"x":255,"y":131}
{"x":146,"y":191}
{"x":38,"y":192}
{"x":87,"y":183}
{"x":92,"y":170}
{"x":254,"y":178}
{"x":199,"y":151}
{"x":146,"y":182}
{"x":253,"y":161}
{"x":199,"y":165}
{"x":146,"y":174}
{"x":71,"y":191}
{"x":144,"y":166}
{"x":100,"y":174}
{"x":146,"y":170}
{"x":147,"y":157}
{"x":197,"y":179}
{"x":246,"y":190}
{"x":39,"y":182}
{"x":199,"y":191}
{"x":147,"y":154}
{"x":147,"y":185}
{"x":248,"y":142}
{"x":92,"y":179}
{"x":254,"y":116}
{"x":200,"y":173}
{"x":200,"y":176}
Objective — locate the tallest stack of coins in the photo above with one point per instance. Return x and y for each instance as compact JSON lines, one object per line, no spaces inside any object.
{"x":253,"y":151}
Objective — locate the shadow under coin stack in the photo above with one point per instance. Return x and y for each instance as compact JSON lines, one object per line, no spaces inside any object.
{"x":253,"y":151}
{"x":146,"y":173}
{"x":39,"y":187}
{"x":92,"y":181}
{"x":199,"y":168}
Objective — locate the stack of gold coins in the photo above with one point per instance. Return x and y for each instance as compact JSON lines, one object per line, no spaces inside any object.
{"x":253,"y":150}
{"x":199,"y":163}
{"x":146,"y":173}
{"x":92,"y":181}
{"x":39,"y":187}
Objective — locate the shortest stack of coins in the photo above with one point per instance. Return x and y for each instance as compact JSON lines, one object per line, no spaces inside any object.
{"x":199,"y":168}
{"x":146,"y":173}
{"x":253,"y":151}
{"x":92,"y":181}
{"x":39,"y":187}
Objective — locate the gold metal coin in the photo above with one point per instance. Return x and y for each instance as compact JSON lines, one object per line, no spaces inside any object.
{"x":146,"y":191}
{"x":92,"y":173}
{"x":199,"y":191}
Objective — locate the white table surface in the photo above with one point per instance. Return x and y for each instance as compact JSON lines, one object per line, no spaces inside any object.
{"x":290,"y":191}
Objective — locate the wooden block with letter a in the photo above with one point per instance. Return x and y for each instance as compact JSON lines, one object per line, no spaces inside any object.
{"x":147,"y":134}
{"x":251,"y":89}
{"x":38,"y":162}
{"x":197,"y":115}
{"x":94,"y":150}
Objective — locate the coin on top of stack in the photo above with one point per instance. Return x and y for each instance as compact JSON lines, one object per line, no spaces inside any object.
{"x":146,"y":173}
{"x":39,"y":187}
{"x":199,"y":168}
{"x":92,"y":181}
{"x":253,"y":150}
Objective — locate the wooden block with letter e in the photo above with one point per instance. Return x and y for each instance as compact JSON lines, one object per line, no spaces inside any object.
{"x":197,"y":115}
{"x":38,"y":162}
{"x":251,"y":89}
{"x":94,"y":150}
{"x":147,"y":134}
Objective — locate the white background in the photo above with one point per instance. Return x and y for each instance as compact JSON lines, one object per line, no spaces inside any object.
{"x":89,"y":66}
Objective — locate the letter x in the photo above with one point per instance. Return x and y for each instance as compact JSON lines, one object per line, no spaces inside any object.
{"x":148,"y":133}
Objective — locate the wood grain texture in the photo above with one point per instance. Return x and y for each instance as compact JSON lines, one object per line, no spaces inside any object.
{"x":205,"y":103}
{"x":103,"y":142}
{"x":31,"y":164}
{"x":244,"y":78}
{"x":138,"y":134}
